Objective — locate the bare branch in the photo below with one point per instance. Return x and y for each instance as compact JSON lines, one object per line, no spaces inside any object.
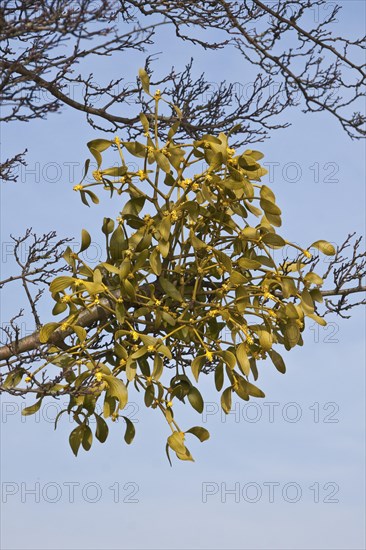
{"x":319,"y":71}
{"x":10,"y":167}
{"x":346,"y":271}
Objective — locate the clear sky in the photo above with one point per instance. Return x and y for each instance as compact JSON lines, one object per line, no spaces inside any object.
{"x":286,"y":472}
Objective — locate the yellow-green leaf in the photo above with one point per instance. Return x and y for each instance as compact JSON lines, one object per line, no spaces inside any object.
{"x":145,"y":80}
{"x":85,"y":240}
{"x":325,"y":247}
{"x":195,"y":399}
{"x":130,"y":430}
{"x":277,"y":361}
{"x":117,"y":388}
{"x":33,"y":408}
{"x":46,"y":331}
{"x":201,"y":433}
{"x":226,"y":400}
{"x":243,"y":360}
{"x":170,"y":289}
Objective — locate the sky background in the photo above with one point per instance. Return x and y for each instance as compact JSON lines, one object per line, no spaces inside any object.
{"x":279,"y":473}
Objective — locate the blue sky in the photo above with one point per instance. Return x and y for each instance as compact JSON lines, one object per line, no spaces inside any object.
{"x":307,"y":443}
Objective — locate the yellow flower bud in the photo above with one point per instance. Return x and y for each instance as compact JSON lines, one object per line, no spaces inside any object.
{"x":142,"y":175}
{"x":213,"y":312}
{"x":97,"y":175}
{"x":174,"y":216}
{"x":78,"y":187}
{"x":209,"y":355}
{"x":186,"y":182}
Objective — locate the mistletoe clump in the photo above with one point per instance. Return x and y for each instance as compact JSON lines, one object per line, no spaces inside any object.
{"x":189,"y":285}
